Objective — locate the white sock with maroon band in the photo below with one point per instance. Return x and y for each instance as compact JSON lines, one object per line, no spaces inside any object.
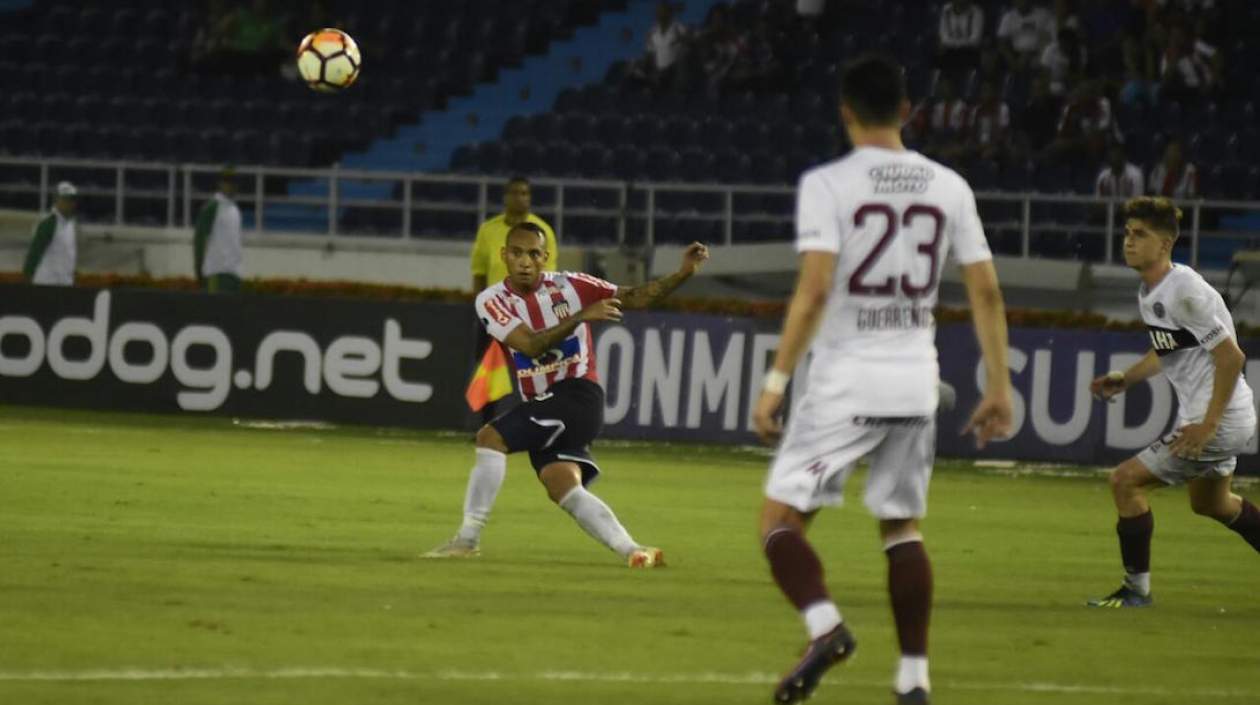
{"x":483,"y":486}
{"x":598,"y":520}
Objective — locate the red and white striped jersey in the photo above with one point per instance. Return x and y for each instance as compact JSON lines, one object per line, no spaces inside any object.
{"x":559,"y":295}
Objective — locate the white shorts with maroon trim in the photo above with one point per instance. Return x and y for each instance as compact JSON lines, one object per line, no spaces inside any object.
{"x":820,"y":451}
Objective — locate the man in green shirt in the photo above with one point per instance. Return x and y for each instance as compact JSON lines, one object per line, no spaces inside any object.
{"x":217,"y":253}
{"x":54,"y":250}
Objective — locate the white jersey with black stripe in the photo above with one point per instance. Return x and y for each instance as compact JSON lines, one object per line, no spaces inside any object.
{"x":1187,"y":319}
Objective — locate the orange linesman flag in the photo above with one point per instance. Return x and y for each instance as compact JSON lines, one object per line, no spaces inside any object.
{"x":491,"y":382}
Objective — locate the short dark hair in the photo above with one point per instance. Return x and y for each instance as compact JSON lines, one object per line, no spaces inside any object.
{"x":529,"y":227}
{"x":874,"y":87}
{"x":1157,"y":211}
{"x":518,"y":179}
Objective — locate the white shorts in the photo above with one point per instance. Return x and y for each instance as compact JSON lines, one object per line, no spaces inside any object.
{"x":1218,"y":458}
{"x":819,"y":452}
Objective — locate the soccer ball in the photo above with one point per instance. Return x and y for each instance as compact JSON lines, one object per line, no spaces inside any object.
{"x":328,"y":60}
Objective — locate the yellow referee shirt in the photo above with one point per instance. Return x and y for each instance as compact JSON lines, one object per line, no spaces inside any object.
{"x":492,"y":237}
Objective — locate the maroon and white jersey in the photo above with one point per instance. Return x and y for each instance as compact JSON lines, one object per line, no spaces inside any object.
{"x":559,"y":295}
{"x":891,"y":217}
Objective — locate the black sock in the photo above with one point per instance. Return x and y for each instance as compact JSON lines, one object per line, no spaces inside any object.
{"x":1135,"y":541}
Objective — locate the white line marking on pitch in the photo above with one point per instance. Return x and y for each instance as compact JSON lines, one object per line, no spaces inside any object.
{"x":140,"y":674}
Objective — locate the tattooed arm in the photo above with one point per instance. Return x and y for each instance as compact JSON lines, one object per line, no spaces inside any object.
{"x":649,"y":293}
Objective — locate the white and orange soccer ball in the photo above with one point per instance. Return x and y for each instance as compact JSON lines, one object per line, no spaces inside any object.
{"x":328,"y":60}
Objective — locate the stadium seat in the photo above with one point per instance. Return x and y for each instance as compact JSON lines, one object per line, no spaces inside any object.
{"x":595,"y":161}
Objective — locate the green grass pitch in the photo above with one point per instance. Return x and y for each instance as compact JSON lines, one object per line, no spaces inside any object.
{"x":168,"y":560}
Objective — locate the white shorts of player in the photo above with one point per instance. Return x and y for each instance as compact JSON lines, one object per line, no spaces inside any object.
{"x":820,"y":451}
{"x":1218,"y":459}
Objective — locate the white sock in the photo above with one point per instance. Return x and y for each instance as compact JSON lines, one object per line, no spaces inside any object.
{"x":598,"y":520}
{"x":820,"y":618}
{"x":1139,"y":581}
{"x":912,"y":672}
{"x":483,"y":486}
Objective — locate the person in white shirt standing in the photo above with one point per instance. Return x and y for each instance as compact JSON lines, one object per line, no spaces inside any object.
{"x":54,"y":249}
{"x":217,"y":251}
{"x":665,"y":45}
{"x":961,"y":32}
{"x":1193,"y":342}
{"x":1120,"y":178}
{"x":873,"y":231}
{"x":1023,"y":34}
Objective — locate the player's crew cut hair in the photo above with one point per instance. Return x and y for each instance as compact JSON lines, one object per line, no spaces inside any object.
{"x":874,"y":87}
{"x":1156,"y":211}
{"x":529,"y":228}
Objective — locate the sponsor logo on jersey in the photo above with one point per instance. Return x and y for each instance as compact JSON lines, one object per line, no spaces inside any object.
{"x":554,"y":360}
{"x":1165,"y":340}
{"x":901,"y":178}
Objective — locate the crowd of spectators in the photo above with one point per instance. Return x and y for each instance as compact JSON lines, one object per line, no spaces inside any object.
{"x":1067,"y":72}
{"x":1017,"y":83}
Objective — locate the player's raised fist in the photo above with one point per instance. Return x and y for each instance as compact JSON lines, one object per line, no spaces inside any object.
{"x":695,"y":256}
{"x":602,"y":310}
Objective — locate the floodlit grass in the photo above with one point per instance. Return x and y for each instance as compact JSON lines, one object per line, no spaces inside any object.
{"x":177,"y":560}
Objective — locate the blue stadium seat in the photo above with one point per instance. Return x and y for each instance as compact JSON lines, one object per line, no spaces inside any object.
{"x":662,"y":164}
{"x":628,"y":163}
{"x":579,"y":127}
{"x":1207,"y":147}
{"x":697,"y":166}
{"x":595,"y":161}
{"x":560,"y":159}
{"x":491,"y":158}
{"x":526,"y":157}
{"x":516,"y":128}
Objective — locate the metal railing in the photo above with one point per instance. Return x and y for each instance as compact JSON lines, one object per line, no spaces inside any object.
{"x":341,"y":203}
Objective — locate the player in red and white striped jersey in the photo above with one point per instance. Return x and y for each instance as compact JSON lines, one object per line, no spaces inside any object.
{"x":544,"y":319}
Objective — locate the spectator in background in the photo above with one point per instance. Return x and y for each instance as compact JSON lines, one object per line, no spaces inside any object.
{"x":720,"y":47}
{"x":1173,"y":176}
{"x":1023,"y":34}
{"x":991,"y":67}
{"x":938,"y":124}
{"x":811,"y":8}
{"x":1065,"y":17}
{"x":217,"y":248}
{"x":1038,"y":119}
{"x":1085,"y":127}
{"x":1064,"y":59}
{"x":665,"y":46}
{"x":242,"y":41}
{"x":1186,"y":69}
{"x":1120,"y":178}
{"x":486,"y":261}
{"x":961,"y":33}
{"x":1136,"y":87}
{"x":988,"y":124}
{"x":53,"y":253}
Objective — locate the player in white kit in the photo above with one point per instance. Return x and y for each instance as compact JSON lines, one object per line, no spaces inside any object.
{"x":1193,"y":343}
{"x":873,"y":231}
